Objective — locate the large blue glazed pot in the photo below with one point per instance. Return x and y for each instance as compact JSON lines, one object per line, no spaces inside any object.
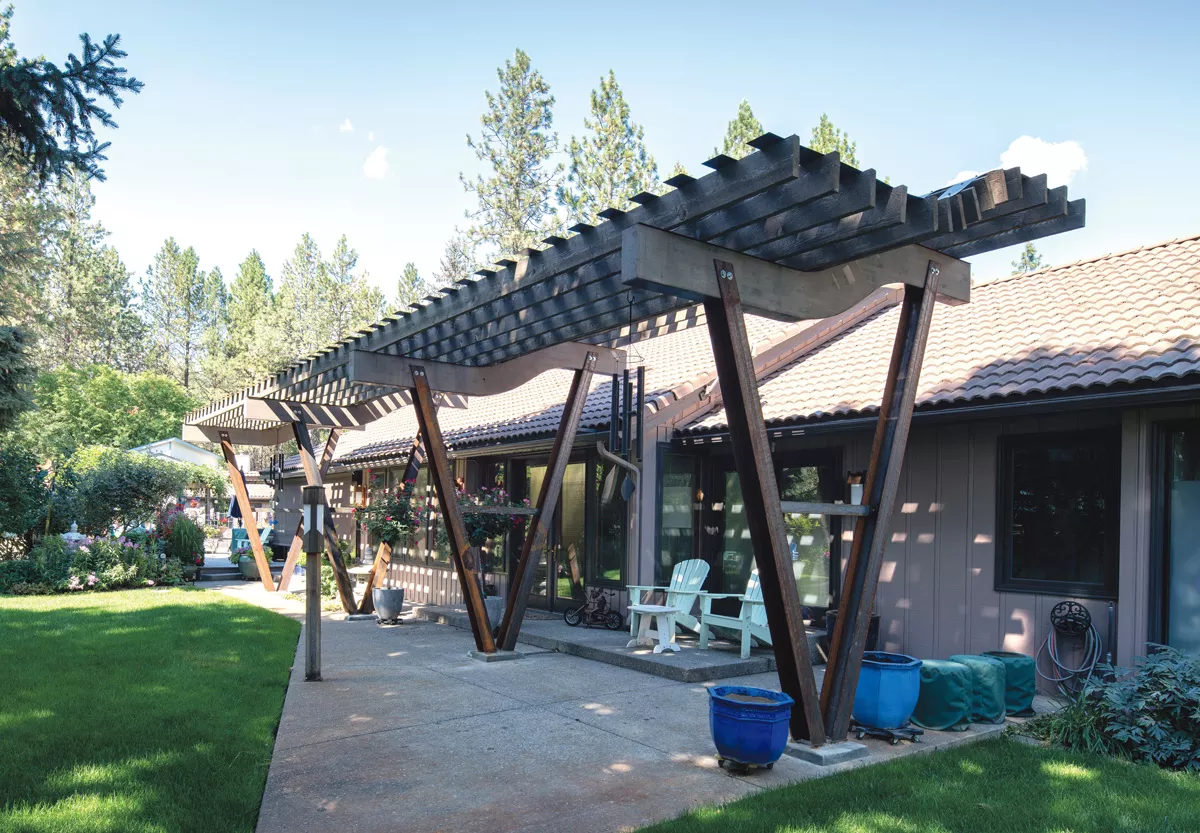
{"x":749,"y":725}
{"x":888,"y":688}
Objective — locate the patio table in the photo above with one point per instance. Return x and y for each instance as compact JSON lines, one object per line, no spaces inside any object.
{"x":639,"y":626}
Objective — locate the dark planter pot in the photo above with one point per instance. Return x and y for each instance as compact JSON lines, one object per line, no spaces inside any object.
{"x":831,"y":620}
{"x":389,"y":601}
{"x":248,"y":567}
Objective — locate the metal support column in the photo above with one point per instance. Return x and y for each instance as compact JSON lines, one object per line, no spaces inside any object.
{"x":871,"y":531}
{"x":760,"y":497}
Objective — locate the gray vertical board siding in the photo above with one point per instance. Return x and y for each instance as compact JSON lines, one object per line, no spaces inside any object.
{"x":951,"y":524}
{"x":921,"y":545}
{"x":983,"y":608}
{"x":1133,"y":581}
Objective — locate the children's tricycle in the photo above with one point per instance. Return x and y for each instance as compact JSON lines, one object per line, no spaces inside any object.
{"x":597,"y":610}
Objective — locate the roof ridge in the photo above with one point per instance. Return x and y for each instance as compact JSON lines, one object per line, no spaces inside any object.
{"x":1094,"y":259}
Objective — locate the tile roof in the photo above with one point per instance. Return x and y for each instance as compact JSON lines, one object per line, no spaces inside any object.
{"x":533,"y":410}
{"x":1122,"y":318}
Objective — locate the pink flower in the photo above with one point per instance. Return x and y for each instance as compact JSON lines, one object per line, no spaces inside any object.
{"x":92,"y":579}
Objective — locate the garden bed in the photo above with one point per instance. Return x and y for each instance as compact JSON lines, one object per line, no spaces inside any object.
{"x":144,"y":710}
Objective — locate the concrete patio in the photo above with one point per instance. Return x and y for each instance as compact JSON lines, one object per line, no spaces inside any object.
{"x":407,"y":733}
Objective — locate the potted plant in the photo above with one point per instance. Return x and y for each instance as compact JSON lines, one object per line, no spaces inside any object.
{"x":390,"y":519}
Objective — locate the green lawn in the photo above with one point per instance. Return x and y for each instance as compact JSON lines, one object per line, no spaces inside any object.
{"x":996,"y":786}
{"x":143,"y":710}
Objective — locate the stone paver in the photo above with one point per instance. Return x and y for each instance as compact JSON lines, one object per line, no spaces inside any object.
{"x":406,"y":733}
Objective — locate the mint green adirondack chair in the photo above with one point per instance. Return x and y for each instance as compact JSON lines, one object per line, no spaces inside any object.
{"x":750,"y":623}
{"x":686,"y":580}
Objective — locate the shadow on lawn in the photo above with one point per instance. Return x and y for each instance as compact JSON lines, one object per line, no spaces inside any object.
{"x":996,"y":785}
{"x":138,"y":710}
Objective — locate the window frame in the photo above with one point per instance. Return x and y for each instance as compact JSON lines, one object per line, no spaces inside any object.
{"x":1003,"y":580}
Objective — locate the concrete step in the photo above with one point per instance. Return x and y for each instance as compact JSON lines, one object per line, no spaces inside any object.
{"x":229,"y":573}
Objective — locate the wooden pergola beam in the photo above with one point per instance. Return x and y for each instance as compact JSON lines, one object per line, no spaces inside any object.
{"x":347,"y":418}
{"x":289,"y":566}
{"x":383,"y":369}
{"x":538,"y":532}
{"x":275,"y":435}
{"x":442,"y":476}
{"x":871,"y":531}
{"x":671,"y":264}
{"x":313,"y":477}
{"x":760,"y":499}
{"x":242,"y":496}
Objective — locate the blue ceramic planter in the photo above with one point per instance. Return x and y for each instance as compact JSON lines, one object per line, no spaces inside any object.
{"x":749,"y":725}
{"x":888,"y":688}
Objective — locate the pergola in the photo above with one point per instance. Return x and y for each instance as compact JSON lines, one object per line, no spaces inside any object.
{"x":785,"y":232}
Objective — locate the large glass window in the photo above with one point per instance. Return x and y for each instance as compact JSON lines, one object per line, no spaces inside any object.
{"x":612,"y":526}
{"x":676,"y":541}
{"x":1058,"y":513}
{"x":1181,"y":574}
{"x":809,"y":535}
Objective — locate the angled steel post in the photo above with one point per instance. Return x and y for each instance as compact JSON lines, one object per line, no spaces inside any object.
{"x":243,"y":499}
{"x":442,"y":477}
{"x":547,"y":502}
{"x":383,"y":555}
{"x":289,"y":566}
{"x":871,"y":531}
{"x":760,"y":497}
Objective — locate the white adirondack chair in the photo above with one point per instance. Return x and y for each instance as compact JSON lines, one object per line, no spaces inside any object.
{"x":750,"y":622}
{"x":686,"y":580}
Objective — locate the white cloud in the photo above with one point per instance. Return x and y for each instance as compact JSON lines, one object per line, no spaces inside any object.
{"x":961,"y":175}
{"x":346,"y":126}
{"x":376,"y":166}
{"x":1059,"y":161}
{"x":370,"y":135}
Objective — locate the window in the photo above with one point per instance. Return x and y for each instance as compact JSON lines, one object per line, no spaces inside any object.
{"x":612,"y":524}
{"x":1058,"y":517}
{"x":676,"y":514}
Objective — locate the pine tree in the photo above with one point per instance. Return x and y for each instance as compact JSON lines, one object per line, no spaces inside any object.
{"x":411,"y":286}
{"x":1030,"y":260}
{"x":42,"y":104}
{"x":516,"y":143}
{"x":741,"y":130}
{"x":180,"y":303}
{"x":88,"y":292}
{"x":458,"y":262}
{"x":249,"y":297}
{"x":826,"y":139}
{"x":610,"y":165}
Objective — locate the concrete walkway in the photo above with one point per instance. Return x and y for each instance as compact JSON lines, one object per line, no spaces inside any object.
{"x":406,"y":733}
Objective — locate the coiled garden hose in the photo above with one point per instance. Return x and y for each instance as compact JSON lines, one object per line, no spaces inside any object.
{"x":1070,"y":619}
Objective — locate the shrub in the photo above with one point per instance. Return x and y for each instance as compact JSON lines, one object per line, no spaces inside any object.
{"x":22,"y":493}
{"x":171,"y":573}
{"x":53,"y":559}
{"x":1148,"y":713}
{"x":31,"y":588}
{"x":182,"y":538}
{"x":19,"y":571}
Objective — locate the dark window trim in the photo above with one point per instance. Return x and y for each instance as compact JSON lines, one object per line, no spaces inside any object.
{"x":1002,"y":583}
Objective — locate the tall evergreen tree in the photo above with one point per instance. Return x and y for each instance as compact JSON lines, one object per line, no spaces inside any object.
{"x":1030,"y":260}
{"x":321,"y":301}
{"x":516,"y":144}
{"x":180,"y":303}
{"x":611,"y":164}
{"x":410,"y":287}
{"x":249,"y":296}
{"x":48,"y":113}
{"x":458,"y":261}
{"x":826,"y":139}
{"x":88,"y":291}
{"x":740,"y":130}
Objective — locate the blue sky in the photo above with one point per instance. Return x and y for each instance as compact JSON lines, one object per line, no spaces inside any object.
{"x":236,"y":141}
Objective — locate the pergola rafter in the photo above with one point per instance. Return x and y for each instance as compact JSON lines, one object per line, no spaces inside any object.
{"x":786,"y":232}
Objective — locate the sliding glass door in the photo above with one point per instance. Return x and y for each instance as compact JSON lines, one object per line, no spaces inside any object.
{"x":1180,"y":555}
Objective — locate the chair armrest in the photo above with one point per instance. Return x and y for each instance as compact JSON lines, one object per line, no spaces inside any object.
{"x":704,"y":595}
{"x":644,"y":587}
